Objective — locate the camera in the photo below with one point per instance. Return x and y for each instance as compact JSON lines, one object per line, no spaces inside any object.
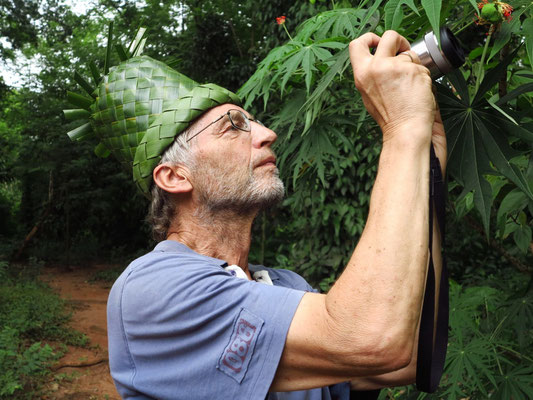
{"x":439,"y":61}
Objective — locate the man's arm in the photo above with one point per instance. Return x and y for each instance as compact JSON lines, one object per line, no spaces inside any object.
{"x":366,"y":325}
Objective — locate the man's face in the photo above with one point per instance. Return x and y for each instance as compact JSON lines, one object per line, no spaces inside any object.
{"x":234,"y":170}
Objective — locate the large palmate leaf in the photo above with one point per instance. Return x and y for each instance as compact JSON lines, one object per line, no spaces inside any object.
{"x":394,"y":12}
{"x":432,"y":9}
{"x":478,"y":138}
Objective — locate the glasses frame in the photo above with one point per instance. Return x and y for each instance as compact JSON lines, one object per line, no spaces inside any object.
{"x":250,"y":120}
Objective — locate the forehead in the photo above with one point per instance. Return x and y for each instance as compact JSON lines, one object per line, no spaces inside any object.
{"x":215,"y":112}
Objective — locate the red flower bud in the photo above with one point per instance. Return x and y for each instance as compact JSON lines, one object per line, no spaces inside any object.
{"x":280,"y":20}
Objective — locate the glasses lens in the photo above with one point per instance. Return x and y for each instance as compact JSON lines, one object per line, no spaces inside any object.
{"x":239,"y":120}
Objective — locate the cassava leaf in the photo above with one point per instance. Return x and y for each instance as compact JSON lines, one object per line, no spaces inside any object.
{"x":394,"y":12}
{"x":432,"y":9}
{"x":527,"y":29}
{"x":504,"y":34}
{"x":526,"y":88}
{"x":493,"y":76}
{"x":458,"y":82}
{"x":499,"y":153}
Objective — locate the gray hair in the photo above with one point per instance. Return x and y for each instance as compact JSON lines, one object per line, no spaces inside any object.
{"x":162,"y":209}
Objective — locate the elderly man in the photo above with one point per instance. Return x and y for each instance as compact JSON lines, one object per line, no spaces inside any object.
{"x":194,"y":320}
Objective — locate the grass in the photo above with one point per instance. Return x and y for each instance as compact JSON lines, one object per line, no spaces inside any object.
{"x":30,"y":315}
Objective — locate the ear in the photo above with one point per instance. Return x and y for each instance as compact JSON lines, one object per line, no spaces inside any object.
{"x":172,"y":178}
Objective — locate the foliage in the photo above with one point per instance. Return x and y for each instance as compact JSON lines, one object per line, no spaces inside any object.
{"x":307,"y":83}
{"x":486,"y":358}
{"x":30,"y":313}
{"x":20,"y":364}
{"x":328,"y":148}
{"x":487,"y":113}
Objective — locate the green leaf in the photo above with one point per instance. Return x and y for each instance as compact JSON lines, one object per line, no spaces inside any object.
{"x":77,"y":113}
{"x":493,"y":76}
{"x":140,"y":47}
{"x":522,"y":238}
{"x":493,"y":104}
{"x":101,"y":150}
{"x":432,"y":9}
{"x":526,"y":88}
{"x":474,"y":5}
{"x":394,"y":12}
{"x":121,"y":52}
{"x":503,"y":125}
{"x":468,"y":161}
{"x":342,"y":60}
{"x":499,"y":153}
{"x":136,"y":42}
{"x":95,"y":73}
{"x":504,"y":34}
{"x":79,"y":100}
{"x":514,"y":201}
{"x":81,"y":132}
{"x":84,"y":84}
{"x":527,"y":29}
{"x":107,"y":60}
{"x":458,"y":81}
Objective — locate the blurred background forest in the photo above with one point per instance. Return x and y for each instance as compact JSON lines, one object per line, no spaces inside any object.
{"x":62,"y":205}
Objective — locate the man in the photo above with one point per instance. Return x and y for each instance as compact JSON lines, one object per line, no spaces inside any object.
{"x":194,"y":320}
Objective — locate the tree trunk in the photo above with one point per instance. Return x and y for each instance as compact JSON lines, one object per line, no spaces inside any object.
{"x":37,"y":226}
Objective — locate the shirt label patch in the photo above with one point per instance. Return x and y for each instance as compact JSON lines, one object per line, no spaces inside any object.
{"x":238,"y":353}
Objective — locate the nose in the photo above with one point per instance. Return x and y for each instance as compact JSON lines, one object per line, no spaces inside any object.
{"x":262,"y":136}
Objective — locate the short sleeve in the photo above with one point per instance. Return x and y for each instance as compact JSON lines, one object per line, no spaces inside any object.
{"x":183,"y":328}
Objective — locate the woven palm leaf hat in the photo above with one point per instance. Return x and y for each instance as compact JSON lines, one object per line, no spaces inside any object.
{"x":138,"y":107}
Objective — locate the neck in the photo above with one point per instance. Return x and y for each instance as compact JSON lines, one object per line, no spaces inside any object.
{"x":226,"y":235}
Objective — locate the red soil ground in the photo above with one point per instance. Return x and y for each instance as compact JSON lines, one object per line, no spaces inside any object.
{"x":83,"y":373}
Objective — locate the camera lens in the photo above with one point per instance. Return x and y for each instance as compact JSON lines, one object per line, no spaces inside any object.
{"x":439,"y":61}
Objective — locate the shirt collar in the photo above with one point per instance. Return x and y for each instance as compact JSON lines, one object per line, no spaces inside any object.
{"x":172,"y":246}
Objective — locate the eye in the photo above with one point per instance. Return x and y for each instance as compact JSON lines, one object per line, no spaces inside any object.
{"x":239,"y":121}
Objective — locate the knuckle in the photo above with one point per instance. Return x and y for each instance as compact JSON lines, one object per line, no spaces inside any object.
{"x":390,"y":32}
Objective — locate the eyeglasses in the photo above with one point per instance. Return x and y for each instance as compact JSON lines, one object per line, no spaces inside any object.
{"x":238,"y":120}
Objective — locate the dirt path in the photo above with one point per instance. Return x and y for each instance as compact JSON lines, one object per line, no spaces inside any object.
{"x":92,"y":381}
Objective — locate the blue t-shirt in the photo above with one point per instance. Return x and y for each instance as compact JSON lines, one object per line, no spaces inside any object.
{"x":182,"y":327}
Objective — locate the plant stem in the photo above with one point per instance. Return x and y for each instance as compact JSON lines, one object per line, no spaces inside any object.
{"x":463,"y":28}
{"x":483,"y":55}
{"x":288,"y":34}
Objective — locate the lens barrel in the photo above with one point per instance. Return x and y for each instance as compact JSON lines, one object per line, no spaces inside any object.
{"x":439,"y":61}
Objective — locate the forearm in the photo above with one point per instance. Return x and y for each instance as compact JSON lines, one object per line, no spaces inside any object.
{"x":382,"y":286}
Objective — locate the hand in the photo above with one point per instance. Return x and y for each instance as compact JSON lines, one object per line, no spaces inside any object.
{"x":396,"y":89}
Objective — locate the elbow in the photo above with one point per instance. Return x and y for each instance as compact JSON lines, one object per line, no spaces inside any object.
{"x":392,"y":353}
{"x":378,"y":353}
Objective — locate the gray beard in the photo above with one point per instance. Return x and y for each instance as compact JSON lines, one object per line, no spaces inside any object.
{"x":221,"y":193}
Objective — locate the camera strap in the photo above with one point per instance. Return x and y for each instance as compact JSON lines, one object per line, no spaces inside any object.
{"x":433,"y":338}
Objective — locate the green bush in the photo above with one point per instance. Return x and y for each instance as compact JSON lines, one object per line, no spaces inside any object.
{"x":490,"y":351}
{"x":20,"y":364}
{"x":30,"y":313}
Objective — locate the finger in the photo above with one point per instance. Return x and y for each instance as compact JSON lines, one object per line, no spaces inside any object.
{"x":391,"y":43}
{"x":360,"y":47}
{"x":410,"y":55}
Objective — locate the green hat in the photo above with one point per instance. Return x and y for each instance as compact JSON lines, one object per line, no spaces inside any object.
{"x":139,"y":107}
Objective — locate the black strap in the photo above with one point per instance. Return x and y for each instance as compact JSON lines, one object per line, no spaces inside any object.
{"x":430,"y":362}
